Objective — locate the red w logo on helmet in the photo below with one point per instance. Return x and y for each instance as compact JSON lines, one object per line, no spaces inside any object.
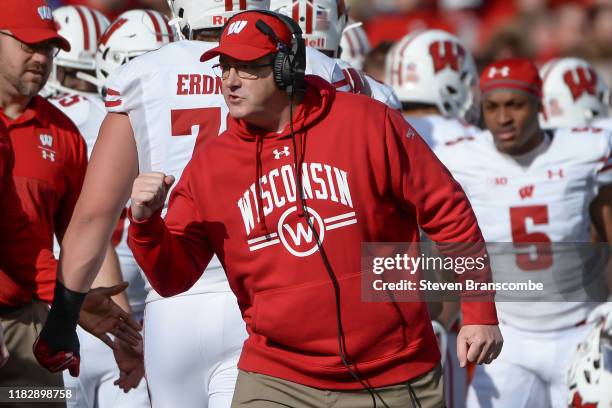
{"x":446,"y":54}
{"x":579,"y":82}
{"x":110,"y":30}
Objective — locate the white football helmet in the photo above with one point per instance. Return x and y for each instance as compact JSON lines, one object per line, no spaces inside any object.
{"x":132,"y":34}
{"x":192,"y":15}
{"x":355,"y":45}
{"x":82,"y":27}
{"x":433,"y":67}
{"x":589,"y":378}
{"x":321,"y":21}
{"x":573,"y":94}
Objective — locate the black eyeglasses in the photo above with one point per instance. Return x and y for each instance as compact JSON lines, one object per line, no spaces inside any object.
{"x":48,"y":48}
{"x":244,"y":71}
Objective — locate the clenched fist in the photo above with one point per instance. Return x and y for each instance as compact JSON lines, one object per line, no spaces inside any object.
{"x":149,"y":194}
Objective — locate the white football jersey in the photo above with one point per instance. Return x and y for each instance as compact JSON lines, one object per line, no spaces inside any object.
{"x":363,"y":84}
{"x":174,"y":102}
{"x":440,"y":132}
{"x":87,"y":112}
{"x":544,"y":197}
{"x":325,"y":67}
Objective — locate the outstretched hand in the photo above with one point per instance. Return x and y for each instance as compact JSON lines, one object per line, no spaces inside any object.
{"x":100,"y":315}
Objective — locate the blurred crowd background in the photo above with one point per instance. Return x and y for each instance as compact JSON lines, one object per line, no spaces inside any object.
{"x":492,"y":29}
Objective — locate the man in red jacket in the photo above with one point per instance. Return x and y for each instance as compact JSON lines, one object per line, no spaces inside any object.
{"x":41,"y":182}
{"x":343,"y":162}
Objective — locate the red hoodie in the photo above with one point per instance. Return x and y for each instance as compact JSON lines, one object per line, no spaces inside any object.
{"x":368,"y":177}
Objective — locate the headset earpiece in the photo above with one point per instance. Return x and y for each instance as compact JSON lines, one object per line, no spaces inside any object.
{"x":289,"y":63}
{"x":281,"y":67}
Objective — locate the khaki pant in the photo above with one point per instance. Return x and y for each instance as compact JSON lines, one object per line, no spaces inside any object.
{"x":255,"y":390}
{"x":21,"y":327}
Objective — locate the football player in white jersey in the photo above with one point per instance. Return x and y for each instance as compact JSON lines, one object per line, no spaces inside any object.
{"x":86,"y":29}
{"x":435,"y":78}
{"x":322,"y":23}
{"x":80,"y":101}
{"x":574,"y":95}
{"x":531,"y":185}
{"x":160,"y":106}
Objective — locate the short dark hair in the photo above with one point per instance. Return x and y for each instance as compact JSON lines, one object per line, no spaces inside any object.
{"x":205,"y":34}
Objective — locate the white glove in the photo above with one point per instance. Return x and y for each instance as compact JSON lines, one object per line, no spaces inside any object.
{"x":602,"y":312}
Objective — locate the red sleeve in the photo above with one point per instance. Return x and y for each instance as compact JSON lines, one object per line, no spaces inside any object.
{"x":173,"y":254}
{"x":424,"y":187}
{"x":76,"y":170}
{"x":23,"y":253}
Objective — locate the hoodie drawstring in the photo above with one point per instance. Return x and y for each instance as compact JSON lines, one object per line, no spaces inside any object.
{"x":297,"y":162}
{"x":258,"y":174}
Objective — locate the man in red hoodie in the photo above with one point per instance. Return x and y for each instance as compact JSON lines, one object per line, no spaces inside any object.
{"x":341,"y":168}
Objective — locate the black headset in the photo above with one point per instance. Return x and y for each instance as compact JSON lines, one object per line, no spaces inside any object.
{"x":290,"y":60}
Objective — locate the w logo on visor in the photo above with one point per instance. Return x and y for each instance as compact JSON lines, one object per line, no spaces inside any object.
{"x":236,"y":27}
